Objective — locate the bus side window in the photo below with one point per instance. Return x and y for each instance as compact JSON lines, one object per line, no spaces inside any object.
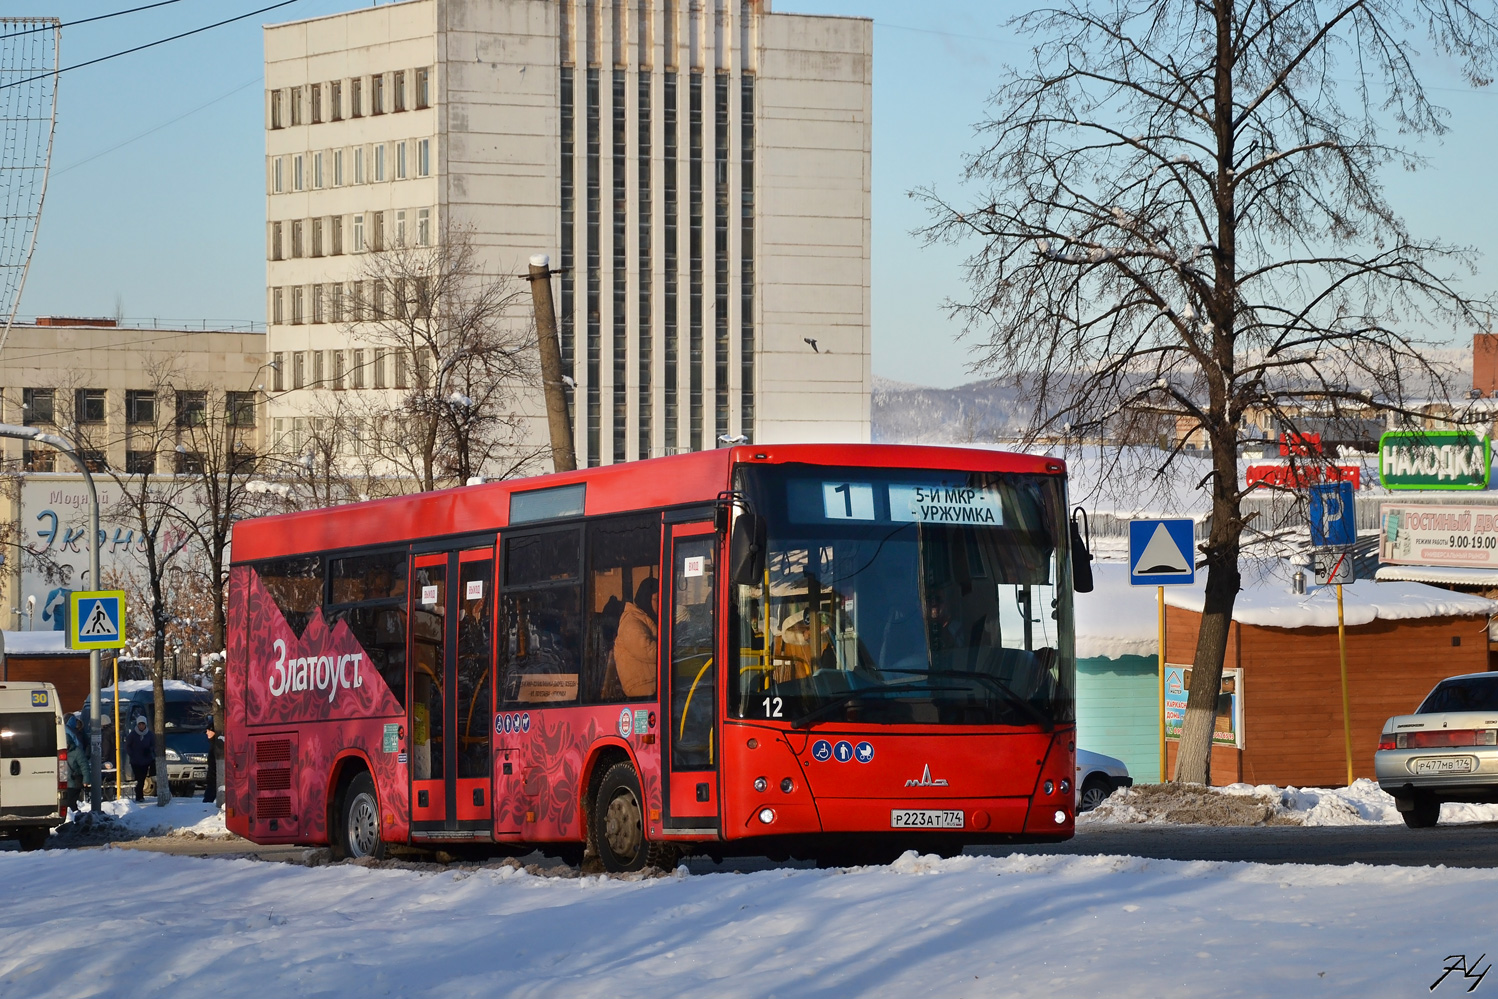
{"x":368,"y":593}
{"x":621,"y":658}
{"x":295,"y":585}
{"x":539,"y":652}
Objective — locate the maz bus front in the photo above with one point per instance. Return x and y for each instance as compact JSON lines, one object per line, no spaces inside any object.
{"x":825,"y":651}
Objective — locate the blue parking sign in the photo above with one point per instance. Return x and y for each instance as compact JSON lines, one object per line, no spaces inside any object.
{"x":1333,"y":515}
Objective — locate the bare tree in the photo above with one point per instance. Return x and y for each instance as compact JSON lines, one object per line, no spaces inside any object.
{"x":1180,"y":213}
{"x":457,"y":346}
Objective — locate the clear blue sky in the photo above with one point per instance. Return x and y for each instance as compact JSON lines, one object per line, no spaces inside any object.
{"x":170,"y":224}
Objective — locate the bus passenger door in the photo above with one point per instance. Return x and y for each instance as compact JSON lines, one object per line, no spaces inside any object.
{"x":451,"y":700}
{"x":689,"y":791}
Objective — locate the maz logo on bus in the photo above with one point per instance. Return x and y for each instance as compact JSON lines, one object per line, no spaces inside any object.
{"x":315,"y":672}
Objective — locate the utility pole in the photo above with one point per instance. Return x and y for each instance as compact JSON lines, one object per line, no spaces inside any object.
{"x":96,"y":750}
{"x":559,"y":421}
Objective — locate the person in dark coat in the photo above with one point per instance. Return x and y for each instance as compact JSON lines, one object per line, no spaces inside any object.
{"x":140,"y":748}
{"x":215,"y":751}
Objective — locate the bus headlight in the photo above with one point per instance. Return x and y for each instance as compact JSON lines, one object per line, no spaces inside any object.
{"x":767,"y":815}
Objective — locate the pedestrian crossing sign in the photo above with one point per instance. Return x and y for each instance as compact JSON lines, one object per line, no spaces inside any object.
{"x":96,"y":619}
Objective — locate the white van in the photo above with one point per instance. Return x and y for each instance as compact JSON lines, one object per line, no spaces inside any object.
{"x":33,"y":762}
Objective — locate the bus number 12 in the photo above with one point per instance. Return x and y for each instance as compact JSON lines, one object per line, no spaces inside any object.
{"x":772,"y":707}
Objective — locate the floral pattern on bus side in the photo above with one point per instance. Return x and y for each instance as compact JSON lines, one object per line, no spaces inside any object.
{"x":552,"y":786}
{"x":323,"y":676}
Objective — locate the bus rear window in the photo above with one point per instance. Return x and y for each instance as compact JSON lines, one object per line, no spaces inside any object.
{"x":29,"y":733}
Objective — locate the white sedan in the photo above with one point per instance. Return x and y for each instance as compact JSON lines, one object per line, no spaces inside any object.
{"x":1097,"y":777}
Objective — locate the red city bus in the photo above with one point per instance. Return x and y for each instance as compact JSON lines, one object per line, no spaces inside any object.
{"x":825,"y":651}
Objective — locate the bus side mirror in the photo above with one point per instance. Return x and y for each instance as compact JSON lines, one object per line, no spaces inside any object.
{"x":746,"y":549}
{"x":1081,"y":557}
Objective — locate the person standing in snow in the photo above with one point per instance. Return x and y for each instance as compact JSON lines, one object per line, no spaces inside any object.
{"x":78,"y":761}
{"x":215,"y":750}
{"x":140,"y":748}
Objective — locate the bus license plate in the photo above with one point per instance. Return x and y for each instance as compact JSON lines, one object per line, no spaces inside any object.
{"x":925,"y":818}
{"x":1449,"y":765}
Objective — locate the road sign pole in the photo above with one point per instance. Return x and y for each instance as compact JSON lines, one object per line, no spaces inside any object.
{"x":1346,"y":709}
{"x":1160,"y":602}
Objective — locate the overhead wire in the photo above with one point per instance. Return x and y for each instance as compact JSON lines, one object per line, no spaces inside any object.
{"x":101,"y":17}
{"x":159,"y":41}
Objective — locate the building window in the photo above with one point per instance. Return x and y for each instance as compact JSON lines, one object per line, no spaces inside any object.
{"x":317,"y":237}
{"x":278,"y":368}
{"x":335,"y":234}
{"x":38,"y":459}
{"x":318,"y":375}
{"x":377,"y":300}
{"x":37,"y":404}
{"x":423,"y":87}
{"x":746,"y":259}
{"x":335,"y":100}
{"x":316,"y":103}
{"x":358,"y":164}
{"x":644,"y":404}
{"x":671,"y":320}
{"x":189,"y":463}
{"x":295,"y":99}
{"x":338,"y":370}
{"x":296,"y":172}
{"x":338,"y":168}
{"x":296,"y":239}
{"x":358,"y":246}
{"x":400,"y":228}
{"x":568,"y":200}
{"x":275,"y":175}
{"x":335,"y":302}
{"x":192,"y":408}
{"x":240,"y":408}
{"x":276,"y":119}
{"x":399,"y":359}
{"x":299,"y":369}
{"x":423,"y":227}
{"x":377,"y":365}
{"x":297,"y":299}
{"x":140,"y":406}
{"x":594,"y":347}
{"x":400,"y":161}
{"x":277,"y":306}
{"x":356,"y":370}
{"x":317,"y":170}
{"x":140,"y":462}
{"x":379,"y":162}
{"x":377,"y":94}
{"x":317,"y":316}
{"x":94,"y":460}
{"x":619,"y":353}
{"x":377,"y":231}
{"x":424,"y":158}
{"x":720,"y":256}
{"x":398,"y":89}
{"x":694,"y":259}
{"x":275,"y":240}
{"x":88,"y":405}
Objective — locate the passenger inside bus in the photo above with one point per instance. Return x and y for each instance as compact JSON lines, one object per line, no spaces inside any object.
{"x":636,"y":645}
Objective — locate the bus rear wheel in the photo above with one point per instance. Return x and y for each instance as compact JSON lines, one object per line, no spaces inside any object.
{"x":358,"y":834}
{"x":616,"y":825}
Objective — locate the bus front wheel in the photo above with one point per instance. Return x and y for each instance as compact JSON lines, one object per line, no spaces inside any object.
{"x":358,"y":833}
{"x":616,"y":825}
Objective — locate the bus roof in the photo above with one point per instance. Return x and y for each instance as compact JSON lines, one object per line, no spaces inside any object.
{"x":675,"y":480}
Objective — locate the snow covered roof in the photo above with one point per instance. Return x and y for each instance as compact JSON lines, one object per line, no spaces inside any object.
{"x":38,"y":643}
{"x":141,"y":686}
{"x":1268,"y":599}
{"x":1116,"y":619}
{"x":1450,"y":575}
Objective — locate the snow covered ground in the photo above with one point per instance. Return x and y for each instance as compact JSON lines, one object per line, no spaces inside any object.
{"x":180,"y":815}
{"x":126,"y":923}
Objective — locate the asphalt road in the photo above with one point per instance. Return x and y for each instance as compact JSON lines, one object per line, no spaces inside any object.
{"x":1465,"y":845}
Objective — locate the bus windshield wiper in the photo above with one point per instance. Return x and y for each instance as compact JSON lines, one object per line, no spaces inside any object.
{"x":999,"y":687}
{"x":852,"y":695}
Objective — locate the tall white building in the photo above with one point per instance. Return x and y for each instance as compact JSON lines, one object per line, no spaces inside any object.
{"x":699,"y":169}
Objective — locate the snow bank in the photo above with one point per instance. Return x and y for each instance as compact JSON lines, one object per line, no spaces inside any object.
{"x":124,"y":819}
{"x":1116,"y":619}
{"x":157,"y":925}
{"x":1364,"y":803}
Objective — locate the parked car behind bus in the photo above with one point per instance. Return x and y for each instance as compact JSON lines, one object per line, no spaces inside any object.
{"x":1446,"y":751}
{"x":189,"y":712}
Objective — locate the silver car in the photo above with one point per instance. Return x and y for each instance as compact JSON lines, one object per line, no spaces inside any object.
{"x":1446,"y":751}
{"x":1098,"y":776}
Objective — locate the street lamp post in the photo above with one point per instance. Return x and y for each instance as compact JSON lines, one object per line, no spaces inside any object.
{"x":96,"y":749}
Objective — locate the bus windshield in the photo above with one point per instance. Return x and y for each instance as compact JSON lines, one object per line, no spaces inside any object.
{"x":905,"y":597}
